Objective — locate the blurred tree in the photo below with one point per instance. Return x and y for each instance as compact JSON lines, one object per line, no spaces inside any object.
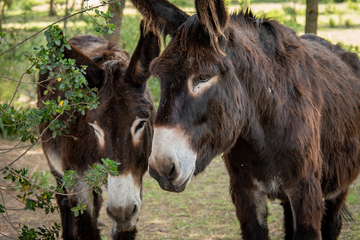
{"x":52,"y":11}
{"x":117,"y":11}
{"x":3,"y":4}
{"x":82,"y":7}
{"x":68,"y":10}
{"x":243,"y":3}
{"x":312,"y":12}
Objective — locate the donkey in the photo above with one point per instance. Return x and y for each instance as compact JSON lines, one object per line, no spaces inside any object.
{"x":284,"y":111}
{"x":119,"y":129}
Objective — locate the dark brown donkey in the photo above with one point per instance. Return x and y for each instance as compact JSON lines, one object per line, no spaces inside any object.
{"x":119,"y":129}
{"x":284,"y":110}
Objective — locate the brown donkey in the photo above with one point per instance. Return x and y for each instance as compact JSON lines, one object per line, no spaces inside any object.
{"x":284,"y":110}
{"x":119,"y":129}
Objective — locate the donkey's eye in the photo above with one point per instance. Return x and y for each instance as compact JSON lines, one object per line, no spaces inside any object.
{"x":97,"y":59}
{"x":140,"y":126}
{"x":201,"y":79}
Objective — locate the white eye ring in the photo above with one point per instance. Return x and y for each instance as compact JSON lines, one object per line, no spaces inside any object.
{"x":140,"y":126}
{"x":137,"y":128}
{"x":196,"y":87}
{"x":99,"y":133}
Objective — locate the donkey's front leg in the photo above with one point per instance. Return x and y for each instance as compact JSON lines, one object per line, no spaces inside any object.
{"x":251,"y":210}
{"x":249,"y":200}
{"x":288,"y":221}
{"x":85,"y":225}
{"x":67,"y":225}
{"x":128,"y":235}
{"x":66,"y":217}
{"x":332,"y":220}
{"x":307,"y":208}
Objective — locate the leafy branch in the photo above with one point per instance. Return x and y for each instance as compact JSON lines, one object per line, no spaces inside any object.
{"x":78,"y":98}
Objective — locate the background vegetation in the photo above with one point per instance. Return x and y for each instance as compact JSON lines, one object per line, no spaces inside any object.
{"x":204,"y":210}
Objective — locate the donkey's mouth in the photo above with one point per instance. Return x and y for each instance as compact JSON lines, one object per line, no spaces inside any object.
{"x":167,"y":184}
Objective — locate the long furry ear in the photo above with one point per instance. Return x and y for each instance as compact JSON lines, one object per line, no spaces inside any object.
{"x":146,"y":50}
{"x":160,"y":16}
{"x":94,"y":74}
{"x":214,"y":17}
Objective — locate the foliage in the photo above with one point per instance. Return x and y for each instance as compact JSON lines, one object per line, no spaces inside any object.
{"x":352,"y":48}
{"x":78,"y":98}
{"x":348,"y":23}
{"x":352,"y":5}
{"x":332,"y":23}
{"x":43,"y":232}
{"x":8,"y":120}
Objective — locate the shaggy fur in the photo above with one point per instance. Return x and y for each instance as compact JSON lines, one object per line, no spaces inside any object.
{"x":285,"y":112}
{"x":123,"y":96}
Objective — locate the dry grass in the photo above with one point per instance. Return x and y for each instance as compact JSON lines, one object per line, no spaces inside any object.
{"x":203,"y":211}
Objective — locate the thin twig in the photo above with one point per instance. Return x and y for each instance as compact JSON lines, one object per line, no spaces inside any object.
{"x":17,"y":89}
{"x":6,"y":235}
{"x":6,"y":150}
{"x":53,"y":24}
{"x":34,"y":142}
{"x":10,"y":79}
{"x":16,"y":146}
{"x":93,"y":18}
{"x":11,"y":125}
{"x":8,"y":217}
{"x":49,"y":190}
{"x":14,"y":209}
{"x":17,"y":199}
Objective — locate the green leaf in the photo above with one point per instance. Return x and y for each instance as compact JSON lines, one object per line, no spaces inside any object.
{"x":29,"y":71}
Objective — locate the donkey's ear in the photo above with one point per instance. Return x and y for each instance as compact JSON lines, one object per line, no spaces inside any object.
{"x":213,"y":16}
{"x":94,"y":74}
{"x":146,"y":50}
{"x":161,"y":15}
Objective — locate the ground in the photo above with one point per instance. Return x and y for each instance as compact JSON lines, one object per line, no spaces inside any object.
{"x":203,"y":211}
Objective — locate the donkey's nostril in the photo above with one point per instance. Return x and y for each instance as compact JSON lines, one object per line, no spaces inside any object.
{"x":171,"y":172}
{"x":134,"y":210}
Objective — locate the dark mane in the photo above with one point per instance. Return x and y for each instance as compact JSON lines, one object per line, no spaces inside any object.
{"x":273,"y":36}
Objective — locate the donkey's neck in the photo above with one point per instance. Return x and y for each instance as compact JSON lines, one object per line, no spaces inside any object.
{"x":258,"y":52}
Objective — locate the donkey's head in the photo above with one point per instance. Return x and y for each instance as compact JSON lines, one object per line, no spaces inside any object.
{"x":121,"y":126}
{"x":200,"y":107}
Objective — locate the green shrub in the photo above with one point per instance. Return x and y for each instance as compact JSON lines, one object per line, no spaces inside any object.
{"x":332,"y":23}
{"x":352,"y":48}
{"x":348,"y":23}
{"x":8,"y":122}
{"x":329,"y":8}
{"x":353,"y":5}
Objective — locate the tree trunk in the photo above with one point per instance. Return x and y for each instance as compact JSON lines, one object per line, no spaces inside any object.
{"x":52,"y":11}
{"x":82,"y":8}
{"x":246,"y":4}
{"x":117,"y":12}
{"x":66,"y":12}
{"x":311,"y":16}
{"x":294,"y":4}
{"x":2,"y":14}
